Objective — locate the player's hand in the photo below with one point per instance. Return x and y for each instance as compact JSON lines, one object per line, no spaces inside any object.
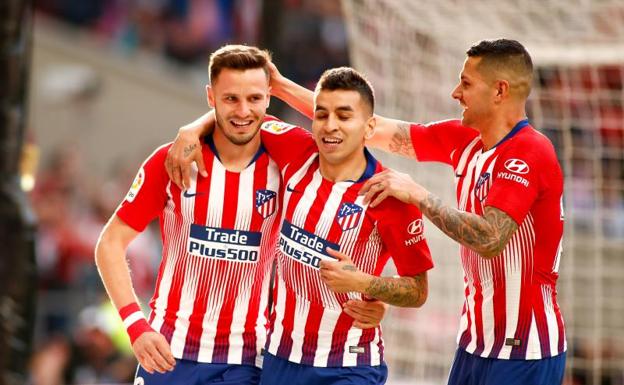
{"x":185,"y":150}
{"x":276,"y":78}
{"x":392,"y":183}
{"x":366,"y":314}
{"x":343,"y":276}
{"x":153,"y":352}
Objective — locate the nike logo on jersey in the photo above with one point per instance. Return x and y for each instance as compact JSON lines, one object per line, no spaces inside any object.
{"x":290,"y":189}
{"x":187,"y":194}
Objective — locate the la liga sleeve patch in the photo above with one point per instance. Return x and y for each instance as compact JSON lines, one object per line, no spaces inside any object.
{"x":138,"y":182}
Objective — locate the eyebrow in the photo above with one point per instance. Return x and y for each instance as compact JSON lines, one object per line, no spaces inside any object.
{"x":340,"y":109}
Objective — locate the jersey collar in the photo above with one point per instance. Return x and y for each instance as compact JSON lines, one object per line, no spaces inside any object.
{"x":519,"y":126}
{"x":210,"y":142}
{"x":371,"y":166}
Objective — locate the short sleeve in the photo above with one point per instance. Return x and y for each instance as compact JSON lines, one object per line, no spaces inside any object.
{"x":283,"y":141}
{"x":147,"y":196}
{"x":436,"y":141}
{"x":515,"y":183}
{"x":401,"y":228}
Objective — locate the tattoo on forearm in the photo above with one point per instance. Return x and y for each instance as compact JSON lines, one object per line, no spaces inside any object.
{"x":189,"y":149}
{"x":486,"y":235}
{"x":401,"y":142}
{"x":402,"y":291}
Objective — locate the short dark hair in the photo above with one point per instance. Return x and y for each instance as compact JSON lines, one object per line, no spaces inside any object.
{"x":348,"y":79}
{"x":238,"y":57}
{"x":506,"y":56}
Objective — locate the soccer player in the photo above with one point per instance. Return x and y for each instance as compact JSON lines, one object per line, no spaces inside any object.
{"x":510,"y":218}
{"x":208,"y":319}
{"x":333,"y":246}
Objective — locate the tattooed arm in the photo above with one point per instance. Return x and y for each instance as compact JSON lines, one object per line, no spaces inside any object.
{"x":487,"y":235}
{"x":392,"y":136}
{"x":343,"y":276}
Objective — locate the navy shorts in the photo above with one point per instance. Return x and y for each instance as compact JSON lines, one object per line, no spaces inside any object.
{"x":469,"y":369}
{"x":195,"y":373}
{"x":278,"y":371}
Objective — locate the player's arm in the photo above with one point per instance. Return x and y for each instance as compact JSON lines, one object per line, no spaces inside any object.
{"x":186,"y":149}
{"x":343,"y":276}
{"x":487,"y":235}
{"x":150,"y":348}
{"x":295,"y":95}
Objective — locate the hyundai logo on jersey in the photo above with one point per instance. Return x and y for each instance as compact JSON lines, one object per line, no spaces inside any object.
{"x":349,"y":215}
{"x":226,"y":244}
{"x":304,"y":246}
{"x":265,"y":202}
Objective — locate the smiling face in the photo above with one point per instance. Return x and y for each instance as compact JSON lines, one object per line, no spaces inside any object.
{"x":341,"y":122}
{"x":475,"y":93}
{"x":240,"y":99}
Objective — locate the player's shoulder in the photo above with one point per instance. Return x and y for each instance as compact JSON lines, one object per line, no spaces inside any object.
{"x":273,"y":125}
{"x":533,"y":145}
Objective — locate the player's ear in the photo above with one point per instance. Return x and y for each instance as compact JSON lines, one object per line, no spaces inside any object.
{"x":370,"y":127}
{"x":210,"y":96}
{"x":502,"y":90}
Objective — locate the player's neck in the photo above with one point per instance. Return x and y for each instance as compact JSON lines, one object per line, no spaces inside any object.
{"x":495,"y":129}
{"x":235,"y":157}
{"x":351,"y":168}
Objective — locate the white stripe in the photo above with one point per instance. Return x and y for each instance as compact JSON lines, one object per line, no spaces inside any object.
{"x":132,"y":318}
{"x":217,"y":195}
{"x":487,"y":308}
{"x":353,"y":338}
{"x":551,"y":320}
{"x":326,"y":332}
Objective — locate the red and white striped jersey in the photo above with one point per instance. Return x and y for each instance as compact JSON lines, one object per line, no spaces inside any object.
{"x":308,"y":325}
{"x":510,"y":308}
{"x":219,"y":238}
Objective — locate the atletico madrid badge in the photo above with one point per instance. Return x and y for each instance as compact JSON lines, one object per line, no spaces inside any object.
{"x":349,"y":215}
{"x":266,"y":201}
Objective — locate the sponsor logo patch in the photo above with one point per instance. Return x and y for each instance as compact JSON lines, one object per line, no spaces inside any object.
{"x":266,"y":201}
{"x":517,"y":166}
{"x":225,"y":244}
{"x":303,"y":246}
{"x":276,"y":127}
{"x":416,"y":227}
{"x":513,"y":177}
{"x":139,"y":179}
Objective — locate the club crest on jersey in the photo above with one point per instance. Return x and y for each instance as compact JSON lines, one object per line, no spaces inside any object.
{"x":276,"y":127}
{"x":481,"y":188}
{"x":266,"y":201}
{"x":349,"y":215}
{"x":136,"y":185}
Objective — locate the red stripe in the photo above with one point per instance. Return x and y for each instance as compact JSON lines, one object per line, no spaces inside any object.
{"x":204,"y":274}
{"x":540,"y":320}
{"x":310,"y":339}
{"x":249,"y":335}
{"x":285,"y":345}
{"x":296,"y":196}
{"x":130,"y":308}
{"x":478,"y":306}
{"x":228,"y":274}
